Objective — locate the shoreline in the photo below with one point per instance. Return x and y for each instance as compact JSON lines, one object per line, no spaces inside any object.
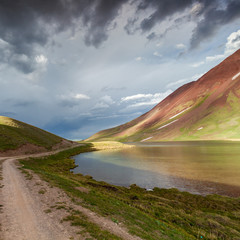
{"x":156,"y":214}
{"x":195,"y":186}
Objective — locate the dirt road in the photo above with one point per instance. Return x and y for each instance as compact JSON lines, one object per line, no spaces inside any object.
{"x":22,"y":217}
{"x":24,"y":211}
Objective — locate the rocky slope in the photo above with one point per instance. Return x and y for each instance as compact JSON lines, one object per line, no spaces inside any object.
{"x":208,"y":108}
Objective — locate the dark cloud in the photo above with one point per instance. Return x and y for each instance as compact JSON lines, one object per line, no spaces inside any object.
{"x":130,"y":27}
{"x":213,"y":19}
{"x":27,"y":24}
{"x":22,"y":62}
{"x":100,"y":19}
{"x":162,"y":10}
{"x":208,"y":15}
{"x":151,"y":36}
{"x":24,"y":24}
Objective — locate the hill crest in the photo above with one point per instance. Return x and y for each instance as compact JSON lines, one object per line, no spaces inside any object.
{"x":17,"y":137}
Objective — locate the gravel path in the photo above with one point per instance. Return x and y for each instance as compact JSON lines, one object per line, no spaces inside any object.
{"x":22,"y":219}
{"x":23,"y":214}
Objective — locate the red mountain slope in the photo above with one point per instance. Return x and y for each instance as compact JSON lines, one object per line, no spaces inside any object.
{"x":208,"y":108}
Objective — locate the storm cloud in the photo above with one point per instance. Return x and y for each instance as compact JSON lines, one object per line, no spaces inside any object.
{"x":162,"y":9}
{"x":27,"y":24}
{"x":214,"y":17}
{"x":209,"y":16}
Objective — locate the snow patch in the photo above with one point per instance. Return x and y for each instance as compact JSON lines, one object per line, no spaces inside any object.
{"x":235,"y":76}
{"x":146,"y":139}
{"x":200,"y":128}
{"x":167,"y":124}
{"x":179,"y":113}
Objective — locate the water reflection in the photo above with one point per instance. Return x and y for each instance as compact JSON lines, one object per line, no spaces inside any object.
{"x":199,"y":167}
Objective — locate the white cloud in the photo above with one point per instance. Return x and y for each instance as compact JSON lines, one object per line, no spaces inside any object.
{"x":136,"y":97}
{"x":214,"y":58}
{"x":157,"y":54}
{"x":107,"y":99}
{"x":138,"y":58}
{"x":145,"y":99}
{"x":81,"y":96}
{"x":233,"y":42}
{"x":177,"y":82}
{"x":232,"y":45}
{"x":193,"y":78}
{"x":74,"y":96}
{"x":104,"y":102}
{"x":180,"y":46}
{"x":197,"y":64}
{"x":147,"y":103}
{"x":41,"y":59}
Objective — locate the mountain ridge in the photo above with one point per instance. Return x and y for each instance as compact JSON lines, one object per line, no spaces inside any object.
{"x":206,"y":109}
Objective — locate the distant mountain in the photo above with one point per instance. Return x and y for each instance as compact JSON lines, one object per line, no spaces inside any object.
{"x":18,"y":138}
{"x":208,"y":108}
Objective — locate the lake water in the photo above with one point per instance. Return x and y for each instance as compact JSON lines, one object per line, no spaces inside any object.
{"x":196,"y":167}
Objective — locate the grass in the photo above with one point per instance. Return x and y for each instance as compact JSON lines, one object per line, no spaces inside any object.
{"x":152,"y":215}
{"x":78,"y":219}
{"x":219,"y":123}
{"x":109,"y":145}
{"x":14,"y":134}
{"x":42,"y":191}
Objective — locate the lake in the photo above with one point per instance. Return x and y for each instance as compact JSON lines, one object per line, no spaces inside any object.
{"x":202,"y":167}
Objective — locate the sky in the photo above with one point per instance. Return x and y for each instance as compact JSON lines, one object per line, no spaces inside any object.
{"x":75,"y":67}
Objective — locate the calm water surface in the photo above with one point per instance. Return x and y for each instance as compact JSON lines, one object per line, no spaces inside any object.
{"x":197,"y":167}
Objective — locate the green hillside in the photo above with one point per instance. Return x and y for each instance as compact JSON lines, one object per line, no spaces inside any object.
{"x":14,"y":134}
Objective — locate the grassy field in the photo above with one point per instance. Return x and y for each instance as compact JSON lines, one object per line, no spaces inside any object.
{"x":157,"y":214}
{"x":14,"y":134}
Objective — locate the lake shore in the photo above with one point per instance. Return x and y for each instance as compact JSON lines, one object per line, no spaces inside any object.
{"x":196,"y":167}
{"x":155,"y":214}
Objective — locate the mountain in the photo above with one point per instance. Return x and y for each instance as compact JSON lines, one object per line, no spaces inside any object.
{"x":206,"y":109}
{"x":18,"y":138}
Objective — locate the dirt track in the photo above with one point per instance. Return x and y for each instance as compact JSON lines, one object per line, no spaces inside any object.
{"x":24,"y":215}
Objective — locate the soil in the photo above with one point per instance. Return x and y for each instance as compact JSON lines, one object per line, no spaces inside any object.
{"x":24,"y":149}
{"x":32,"y":209}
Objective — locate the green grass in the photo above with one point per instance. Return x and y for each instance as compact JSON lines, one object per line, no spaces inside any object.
{"x":152,"y":215}
{"x":14,"y":134}
{"x":221,"y":122}
{"x":78,"y":219}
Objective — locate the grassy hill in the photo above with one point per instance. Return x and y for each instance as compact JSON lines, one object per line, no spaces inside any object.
{"x":14,"y":134}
